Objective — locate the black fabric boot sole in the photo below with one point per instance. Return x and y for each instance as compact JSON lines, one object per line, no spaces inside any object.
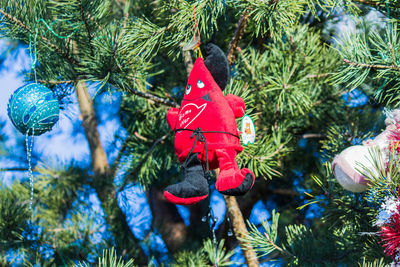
{"x":193,"y":188}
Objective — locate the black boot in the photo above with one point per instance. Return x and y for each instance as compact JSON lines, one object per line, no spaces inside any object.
{"x":193,"y":188}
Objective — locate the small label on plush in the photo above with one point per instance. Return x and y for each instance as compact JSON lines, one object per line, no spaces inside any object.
{"x":248,"y":130}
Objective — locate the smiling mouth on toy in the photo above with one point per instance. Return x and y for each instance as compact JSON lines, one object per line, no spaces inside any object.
{"x":206,"y":96}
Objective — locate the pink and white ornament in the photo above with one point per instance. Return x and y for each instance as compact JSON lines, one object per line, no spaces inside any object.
{"x":347,"y":165}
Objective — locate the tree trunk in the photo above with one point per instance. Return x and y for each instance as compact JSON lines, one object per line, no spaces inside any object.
{"x":239,"y":227}
{"x":103,"y":182}
{"x":233,"y":210}
{"x":167,"y":220}
{"x":89,"y":123}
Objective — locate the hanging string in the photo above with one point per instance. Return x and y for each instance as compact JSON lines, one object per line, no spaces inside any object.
{"x":197,"y":40}
{"x":213,"y":228}
{"x":33,"y":44}
{"x":33,"y":52}
{"x":29,"y":146}
{"x":54,"y":33}
{"x":34,"y":60}
{"x":212,"y":221}
{"x":230,"y":232}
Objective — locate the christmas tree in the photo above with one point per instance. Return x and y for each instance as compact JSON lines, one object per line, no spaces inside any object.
{"x":317,"y":77}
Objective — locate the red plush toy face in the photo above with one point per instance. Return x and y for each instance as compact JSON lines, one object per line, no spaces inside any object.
{"x":199,"y":84}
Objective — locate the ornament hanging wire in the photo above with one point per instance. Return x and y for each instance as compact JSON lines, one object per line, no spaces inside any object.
{"x":29,"y":146}
{"x":196,"y":42}
{"x":31,"y":131}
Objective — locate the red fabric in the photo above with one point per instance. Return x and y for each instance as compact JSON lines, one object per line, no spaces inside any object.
{"x":237,"y":105}
{"x":214,"y":115}
{"x":204,"y":106}
{"x":172,"y":117}
{"x":229,"y":174}
{"x":183,"y":201}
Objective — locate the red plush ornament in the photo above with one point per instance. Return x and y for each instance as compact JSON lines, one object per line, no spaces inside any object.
{"x":206,"y":134}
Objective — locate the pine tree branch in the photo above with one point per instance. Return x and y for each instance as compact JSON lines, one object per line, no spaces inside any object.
{"x":278,"y":248}
{"x":261,"y":86}
{"x":313,"y":135}
{"x":119,"y":156}
{"x":369,"y":3}
{"x":47,"y":41}
{"x":154,"y":98}
{"x":322,"y":75}
{"x":86,"y":26}
{"x":148,"y":153}
{"x":146,"y":95}
{"x":187,"y":60}
{"x":332,"y":96}
{"x":246,"y":63}
{"x":56,"y":82}
{"x":268,"y":156}
{"x":141,"y":137}
{"x":13,"y":169}
{"x":372,"y":66}
{"x":240,"y":29}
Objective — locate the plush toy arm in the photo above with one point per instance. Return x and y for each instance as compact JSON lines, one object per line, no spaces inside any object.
{"x":237,"y":105}
{"x":172,"y":117}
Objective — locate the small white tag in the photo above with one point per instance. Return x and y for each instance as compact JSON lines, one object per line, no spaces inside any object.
{"x":248,"y":130}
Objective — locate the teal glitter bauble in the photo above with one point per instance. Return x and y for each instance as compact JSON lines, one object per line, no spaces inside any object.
{"x":33,"y":109}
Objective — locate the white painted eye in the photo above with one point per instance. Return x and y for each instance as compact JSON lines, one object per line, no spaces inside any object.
{"x":200,"y":84}
{"x":188,"y":89}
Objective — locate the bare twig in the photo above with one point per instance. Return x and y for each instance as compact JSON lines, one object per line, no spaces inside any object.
{"x":261,"y":159}
{"x":240,"y":28}
{"x":117,"y":160}
{"x":187,"y":60}
{"x":13,"y":169}
{"x":154,"y":98}
{"x":367,"y":2}
{"x":260,"y":87}
{"x":393,"y":54}
{"x":283,"y":252}
{"x":372,"y":66}
{"x":141,"y":137}
{"x":279,"y":149}
{"x":313,"y":135}
{"x":146,"y":95}
{"x":322,"y":75}
{"x":86,"y":26}
{"x":56,"y":82}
